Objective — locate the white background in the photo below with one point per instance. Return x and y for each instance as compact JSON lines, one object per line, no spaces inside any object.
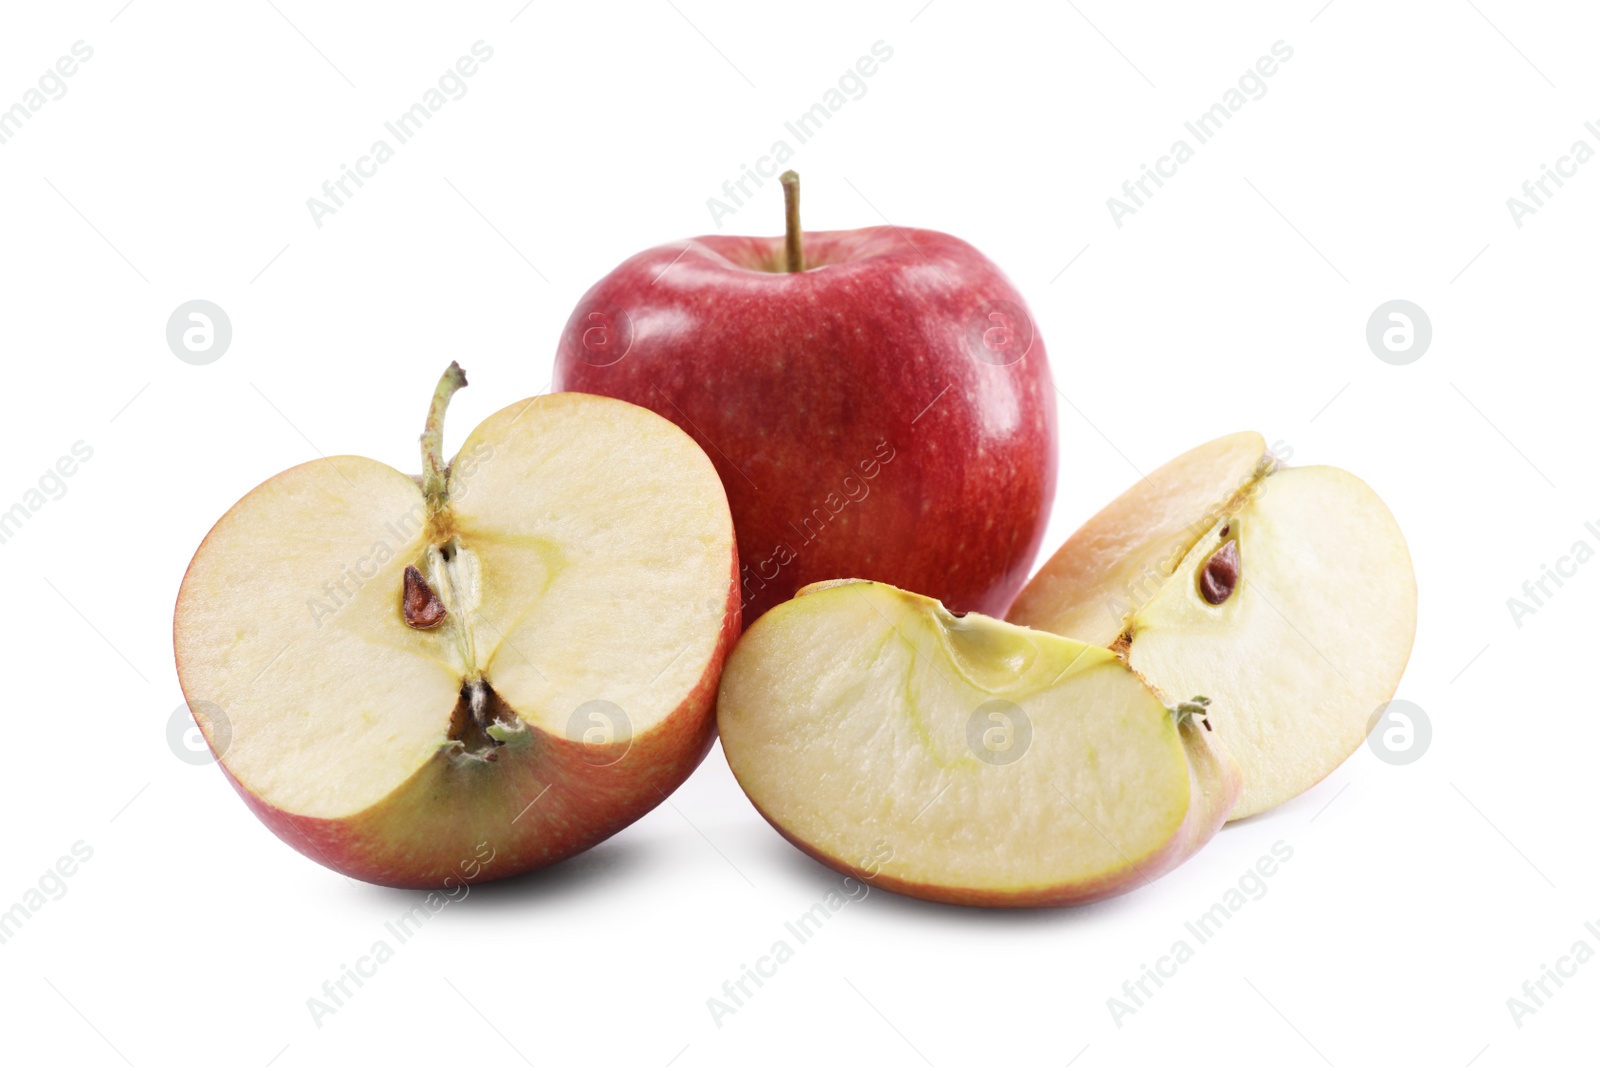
{"x":1377,"y":166}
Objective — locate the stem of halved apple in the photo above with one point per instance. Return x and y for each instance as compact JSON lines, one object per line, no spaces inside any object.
{"x":453,"y":592}
{"x":794,"y":252}
{"x":433,"y":465}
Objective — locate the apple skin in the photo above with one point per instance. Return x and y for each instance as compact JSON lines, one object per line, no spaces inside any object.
{"x":869,"y":416}
{"x":378,"y":845}
{"x":1214,"y":786}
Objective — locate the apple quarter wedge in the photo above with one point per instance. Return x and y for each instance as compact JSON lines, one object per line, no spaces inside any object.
{"x":964,"y":759}
{"x":475,"y":673}
{"x":1285,"y":594}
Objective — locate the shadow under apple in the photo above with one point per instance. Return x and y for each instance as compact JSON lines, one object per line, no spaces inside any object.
{"x":613,"y":860}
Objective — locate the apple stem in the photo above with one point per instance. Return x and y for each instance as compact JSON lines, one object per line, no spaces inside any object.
{"x":433,"y":464}
{"x":794,"y":253}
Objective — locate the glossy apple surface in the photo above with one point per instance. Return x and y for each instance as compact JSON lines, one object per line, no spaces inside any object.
{"x":885,"y":413}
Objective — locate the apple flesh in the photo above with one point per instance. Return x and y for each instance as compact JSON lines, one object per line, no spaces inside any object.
{"x":518,"y":655}
{"x":964,"y":760}
{"x":884,"y":411}
{"x":1285,"y":595}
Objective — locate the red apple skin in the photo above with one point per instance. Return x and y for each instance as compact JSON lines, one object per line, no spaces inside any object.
{"x":410,"y":840}
{"x":887,"y":413}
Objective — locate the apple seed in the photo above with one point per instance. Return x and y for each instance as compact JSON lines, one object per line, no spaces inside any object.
{"x":421,"y":606}
{"x":1220,"y":574}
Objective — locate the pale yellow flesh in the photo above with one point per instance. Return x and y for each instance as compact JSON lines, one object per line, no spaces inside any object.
{"x":845,"y":715}
{"x":1296,"y":661}
{"x":599,"y":550}
{"x":1117,"y":560}
{"x":1308,"y":647}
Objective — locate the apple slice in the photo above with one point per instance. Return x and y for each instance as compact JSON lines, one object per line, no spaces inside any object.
{"x":964,"y":760}
{"x":513,"y":657}
{"x":1285,"y":595}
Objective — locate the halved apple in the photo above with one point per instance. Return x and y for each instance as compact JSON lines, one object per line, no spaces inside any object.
{"x":515,"y":655}
{"x":1286,"y":595}
{"x":964,"y":760}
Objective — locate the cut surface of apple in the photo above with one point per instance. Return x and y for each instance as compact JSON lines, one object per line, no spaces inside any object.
{"x":963,"y":760}
{"x":1286,"y":595}
{"x":518,"y":654}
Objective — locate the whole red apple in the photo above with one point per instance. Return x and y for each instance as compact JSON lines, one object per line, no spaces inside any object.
{"x":877,"y":402}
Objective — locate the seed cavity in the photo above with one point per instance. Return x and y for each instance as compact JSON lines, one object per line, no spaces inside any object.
{"x":1220,"y":576}
{"x":419,"y":604}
